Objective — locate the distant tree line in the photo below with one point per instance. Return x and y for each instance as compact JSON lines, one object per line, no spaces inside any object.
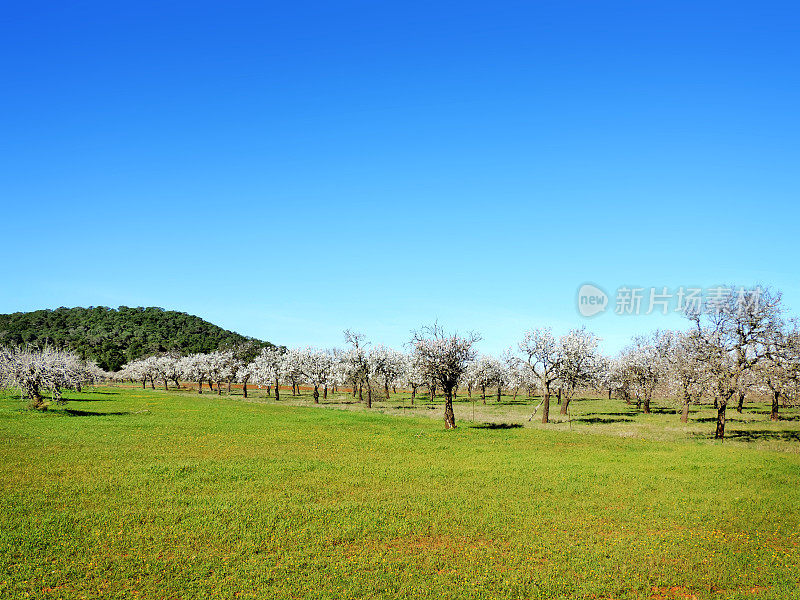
{"x":113,"y":337}
{"x":733,"y":349}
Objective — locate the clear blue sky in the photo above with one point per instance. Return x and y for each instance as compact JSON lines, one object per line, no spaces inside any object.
{"x":288,"y":170}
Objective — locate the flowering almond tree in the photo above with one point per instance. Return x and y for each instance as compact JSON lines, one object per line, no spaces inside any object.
{"x":780,"y":369}
{"x":357,"y":365}
{"x":685,"y":372}
{"x":644,"y":364}
{"x":444,"y":359}
{"x":142,"y":369}
{"x":195,"y":367}
{"x":579,"y":364}
{"x":317,"y":368}
{"x":540,"y":357}
{"x":731,"y":337}
{"x":168,"y":367}
{"x":517,"y":377}
{"x":501,"y":377}
{"x":33,"y":370}
{"x":244,"y":354}
{"x":386,"y":364}
{"x":220,"y":366}
{"x":293,"y":365}
{"x":269,"y":367}
{"x":484,"y":372}
{"x":413,"y":375}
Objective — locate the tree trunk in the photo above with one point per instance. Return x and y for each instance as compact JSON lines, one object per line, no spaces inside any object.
{"x":200,"y":386}
{"x":277,"y":390}
{"x":565,"y":406}
{"x":483,"y":393}
{"x":546,"y":407}
{"x":152,"y":383}
{"x":720,"y":433}
{"x":369,"y":395}
{"x":716,"y":403}
{"x":432,"y":393}
{"x":166,"y":389}
{"x":144,"y":383}
{"x":449,"y":415}
{"x":316,"y":393}
{"x":774,"y":414}
{"x":244,"y":388}
{"x":609,"y":394}
{"x":325,"y":392}
{"x":740,"y":404}
{"x":360,"y":392}
{"x":499,"y":390}
{"x":355,"y":390}
{"x":229,"y":386}
{"x":685,"y":412}
{"x":559,"y":398}
{"x":219,"y":389}
{"x":647,"y":404}
{"x":37,"y":402}
{"x":413,"y":394}
{"x":516,"y":389}
{"x":386,"y":388}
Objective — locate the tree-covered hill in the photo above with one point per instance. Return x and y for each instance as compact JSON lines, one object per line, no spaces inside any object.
{"x":112,"y":337}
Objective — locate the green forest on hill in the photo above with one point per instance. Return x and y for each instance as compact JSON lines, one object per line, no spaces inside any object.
{"x":112,"y":337}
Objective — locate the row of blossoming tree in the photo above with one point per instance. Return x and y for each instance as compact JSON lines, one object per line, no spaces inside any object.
{"x":731,"y":349}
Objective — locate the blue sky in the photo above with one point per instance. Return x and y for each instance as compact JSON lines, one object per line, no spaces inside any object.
{"x":288,"y":170}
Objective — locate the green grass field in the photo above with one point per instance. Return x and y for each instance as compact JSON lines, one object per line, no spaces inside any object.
{"x":130,"y":493}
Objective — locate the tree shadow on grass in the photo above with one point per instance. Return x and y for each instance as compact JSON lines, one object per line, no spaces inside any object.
{"x":72,"y":412}
{"x":520,"y":402}
{"x":628,"y":413}
{"x":598,"y":420}
{"x":781,"y":416}
{"x":88,"y":400}
{"x":763,"y":434}
{"x":755,"y":435}
{"x":496,"y":426}
{"x":730,"y":418}
{"x":662,"y":411}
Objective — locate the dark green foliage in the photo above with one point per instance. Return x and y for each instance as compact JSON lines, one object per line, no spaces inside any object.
{"x":112,"y":337}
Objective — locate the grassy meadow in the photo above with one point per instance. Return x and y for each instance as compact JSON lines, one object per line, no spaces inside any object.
{"x":131,"y":493}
